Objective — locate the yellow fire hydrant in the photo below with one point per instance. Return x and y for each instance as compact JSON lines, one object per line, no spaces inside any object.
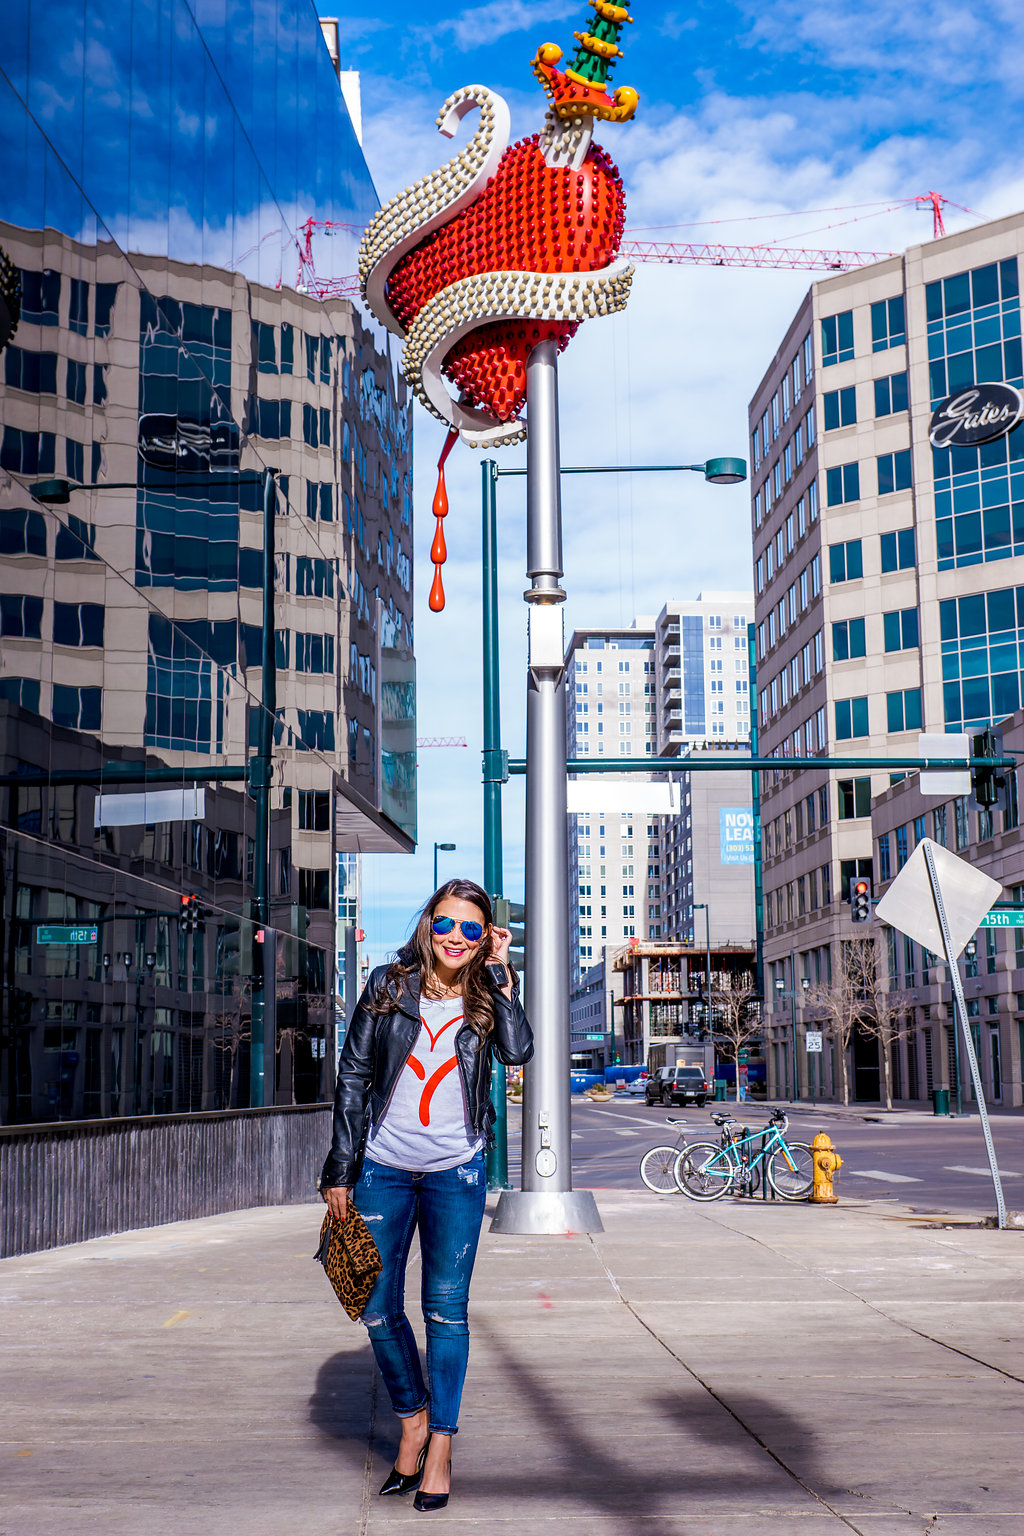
{"x":827,"y":1164}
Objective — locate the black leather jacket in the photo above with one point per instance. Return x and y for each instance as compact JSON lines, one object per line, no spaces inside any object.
{"x":376,"y":1049}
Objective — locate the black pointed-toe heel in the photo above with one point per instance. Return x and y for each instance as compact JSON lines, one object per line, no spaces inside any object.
{"x":428,"y":1501}
{"x":404,"y":1482}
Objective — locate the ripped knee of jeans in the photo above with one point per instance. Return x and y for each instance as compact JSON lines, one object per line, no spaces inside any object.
{"x":379,"y":1321}
{"x":460,"y":1321}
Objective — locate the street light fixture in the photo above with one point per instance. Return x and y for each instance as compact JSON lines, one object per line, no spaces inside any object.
{"x":546,"y":1202}
{"x":443,"y":848}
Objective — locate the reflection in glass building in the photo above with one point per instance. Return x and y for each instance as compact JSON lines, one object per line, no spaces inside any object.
{"x":159,"y":352}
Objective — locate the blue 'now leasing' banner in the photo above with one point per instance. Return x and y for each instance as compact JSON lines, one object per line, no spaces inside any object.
{"x":736,"y":833}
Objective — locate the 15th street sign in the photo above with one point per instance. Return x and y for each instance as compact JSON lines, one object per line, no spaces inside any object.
{"x":85,"y":935}
{"x":997,"y":919}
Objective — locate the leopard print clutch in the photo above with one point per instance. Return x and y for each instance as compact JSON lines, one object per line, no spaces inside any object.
{"x":350,"y":1259}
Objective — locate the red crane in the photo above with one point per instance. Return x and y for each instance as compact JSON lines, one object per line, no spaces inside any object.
{"x":701,"y":254}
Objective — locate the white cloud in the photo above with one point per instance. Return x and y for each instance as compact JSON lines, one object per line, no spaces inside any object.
{"x":483,"y":24}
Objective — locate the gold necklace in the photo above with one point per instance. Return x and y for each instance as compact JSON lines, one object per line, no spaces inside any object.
{"x":439,"y":992}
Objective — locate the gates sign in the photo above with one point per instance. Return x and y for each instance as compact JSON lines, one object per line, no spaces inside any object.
{"x":976,"y":415}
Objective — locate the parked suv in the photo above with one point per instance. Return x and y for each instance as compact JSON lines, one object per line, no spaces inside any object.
{"x":678,"y":1085}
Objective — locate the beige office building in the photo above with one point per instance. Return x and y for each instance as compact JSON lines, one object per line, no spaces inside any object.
{"x":884,"y":573}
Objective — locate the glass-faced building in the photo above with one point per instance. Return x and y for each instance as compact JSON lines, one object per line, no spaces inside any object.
{"x":172,"y":326}
{"x":888,"y":601}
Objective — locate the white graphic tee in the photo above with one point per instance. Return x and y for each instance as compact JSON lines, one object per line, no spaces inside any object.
{"x":426,"y":1127}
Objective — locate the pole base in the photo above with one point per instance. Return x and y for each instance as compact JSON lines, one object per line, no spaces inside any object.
{"x":539,"y":1211}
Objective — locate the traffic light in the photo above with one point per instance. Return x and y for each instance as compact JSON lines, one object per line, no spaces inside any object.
{"x":192,"y":914}
{"x":987,"y":783}
{"x":860,"y":900}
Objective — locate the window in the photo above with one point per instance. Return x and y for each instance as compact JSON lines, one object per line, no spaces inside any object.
{"x":106,"y":294}
{"x":837,"y":338}
{"x":884,"y":858}
{"x":314,"y":653}
{"x":893,"y":472}
{"x":28,"y":453}
{"x":845,"y":561}
{"x":842,"y":484}
{"x":22,"y":532}
{"x":851,"y":718}
{"x":40,"y":297}
{"x":21,"y":616}
{"x":903,"y":710}
{"x":888,"y":324}
{"x":939,"y":825}
{"x":270,"y":418}
{"x":76,"y":708}
{"x":840,"y":408}
{"x":78,"y":306}
{"x":901,"y":630}
{"x":315,"y":889}
{"x":78,"y":624}
{"x":854,"y":798}
{"x":963,"y":823}
{"x":314,"y":810}
{"x":819,"y":650}
{"x":848,"y":639}
{"x":264,"y":347}
{"x":35,"y":372}
{"x":899,"y":551}
{"x":891,"y":395}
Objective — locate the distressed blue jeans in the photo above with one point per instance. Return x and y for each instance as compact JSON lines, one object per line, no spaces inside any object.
{"x":448,"y":1209}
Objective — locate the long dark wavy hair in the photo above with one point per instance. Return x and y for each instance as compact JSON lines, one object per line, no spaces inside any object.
{"x":417,"y":958}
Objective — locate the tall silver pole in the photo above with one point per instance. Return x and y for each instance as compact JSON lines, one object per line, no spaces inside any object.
{"x":546,"y":1202}
{"x":961,"y":1019}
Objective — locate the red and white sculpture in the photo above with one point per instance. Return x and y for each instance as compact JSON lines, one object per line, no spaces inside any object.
{"x":503,"y":247}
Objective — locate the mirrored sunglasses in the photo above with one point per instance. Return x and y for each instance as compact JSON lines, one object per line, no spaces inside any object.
{"x":471,"y":932}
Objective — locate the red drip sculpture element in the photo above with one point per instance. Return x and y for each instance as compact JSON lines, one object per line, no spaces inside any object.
{"x":438,"y":550}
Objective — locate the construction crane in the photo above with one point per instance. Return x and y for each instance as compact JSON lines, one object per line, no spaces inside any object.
{"x":440,"y":741}
{"x":701,"y":254}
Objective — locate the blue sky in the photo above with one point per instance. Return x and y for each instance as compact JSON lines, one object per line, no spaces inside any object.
{"x":750,"y":115}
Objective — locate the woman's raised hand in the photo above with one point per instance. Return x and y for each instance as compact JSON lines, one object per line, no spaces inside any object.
{"x":501,"y":942}
{"x":337,"y":1201}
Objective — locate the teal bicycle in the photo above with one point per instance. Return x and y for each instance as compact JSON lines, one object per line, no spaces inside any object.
{"x":705,"y":1171}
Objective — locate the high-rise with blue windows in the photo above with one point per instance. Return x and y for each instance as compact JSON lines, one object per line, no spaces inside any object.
{"x":885,"y":543}
{"x":163,"y":330}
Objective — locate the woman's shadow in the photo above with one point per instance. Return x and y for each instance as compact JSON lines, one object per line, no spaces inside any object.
{"x":346,"y":1405}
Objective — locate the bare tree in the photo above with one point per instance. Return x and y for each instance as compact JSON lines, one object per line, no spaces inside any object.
{"x":840,"y":1003}
{"x":887,"y":1013}
{"x":736,"y":1014}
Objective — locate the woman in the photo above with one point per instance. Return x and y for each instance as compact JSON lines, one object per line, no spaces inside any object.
{"x":412,"y":1114}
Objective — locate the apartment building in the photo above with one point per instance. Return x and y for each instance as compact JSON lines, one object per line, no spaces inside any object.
{"x":613,"y":832}
{"x":880,"y":528}
{"x":637,"y":845}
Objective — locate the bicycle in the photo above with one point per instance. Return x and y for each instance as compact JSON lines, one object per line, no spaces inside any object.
{"x":706,"y":1172}
{"x":657,"y":1166}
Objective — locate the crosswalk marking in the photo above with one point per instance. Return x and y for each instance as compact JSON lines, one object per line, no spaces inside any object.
{"x":983,"y":1173}
{"x":877,"y":1173}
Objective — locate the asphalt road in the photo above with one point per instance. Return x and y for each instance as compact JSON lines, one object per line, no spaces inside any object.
{"x":934,"y":1166}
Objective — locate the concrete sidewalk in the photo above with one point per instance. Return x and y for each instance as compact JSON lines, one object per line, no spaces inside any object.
{"x":722,"y":1370}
